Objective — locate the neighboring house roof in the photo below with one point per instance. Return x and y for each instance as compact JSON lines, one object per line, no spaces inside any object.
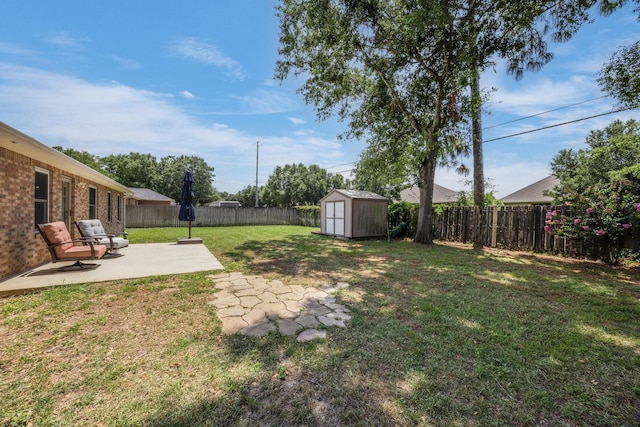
{"x":532,"y":194}
{"x":440,"y":194}
{"x":225,"y":204}
{"x":149,"y":195}
{"x":356,"y":194}
{"x":16,"y":141}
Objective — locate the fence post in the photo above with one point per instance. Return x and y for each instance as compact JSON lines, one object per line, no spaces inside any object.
{"x":494,"y":227}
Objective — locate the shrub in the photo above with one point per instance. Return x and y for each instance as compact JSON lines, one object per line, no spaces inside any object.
{"x":403,"y":219}
{"x":605,"y":218}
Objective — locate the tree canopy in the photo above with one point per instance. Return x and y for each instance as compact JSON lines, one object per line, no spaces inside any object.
{"x":136,"y":170}
{"x":299,"y":185}
{"x":84,"y":157}
{"x":602,"y":183}
{"x":171,"y":170}
{"x":398,"y":72}
{"x":620,"y":77}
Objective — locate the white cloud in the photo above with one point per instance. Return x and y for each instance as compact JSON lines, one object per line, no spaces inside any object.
{"x":112,"y":118}
{"x":186,"y":94}
{"x":505,"y":177}
{"x":15,"y":49}
{"x":64,"y":39}
{"x":540,"y":94}
{"x":202,"y":51}
{"x":129,"y":64}
{"x":297,"y":121}
{"x":266,"y":102}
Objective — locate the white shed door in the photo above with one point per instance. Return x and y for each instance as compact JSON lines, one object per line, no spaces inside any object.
{"x":335,"y":218}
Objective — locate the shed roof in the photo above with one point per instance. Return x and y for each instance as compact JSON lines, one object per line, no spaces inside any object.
{"x":532,"y":193}
{"x":16,"y":141}
{"x":147,"y":194}
{"x":440,"y":194}
{"x":356,"y":194}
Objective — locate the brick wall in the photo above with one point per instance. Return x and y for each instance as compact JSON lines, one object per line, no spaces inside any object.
{"x":21,"y":247}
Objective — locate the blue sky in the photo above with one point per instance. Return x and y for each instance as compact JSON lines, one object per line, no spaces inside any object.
{"x":196,"y":78}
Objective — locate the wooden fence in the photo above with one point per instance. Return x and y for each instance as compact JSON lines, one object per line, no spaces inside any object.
{"x":513,"y":227}
{"x":145,"y":216}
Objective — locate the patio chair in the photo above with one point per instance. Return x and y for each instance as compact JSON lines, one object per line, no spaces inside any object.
{"x":93,"y":228}
{"x":63,"y":248}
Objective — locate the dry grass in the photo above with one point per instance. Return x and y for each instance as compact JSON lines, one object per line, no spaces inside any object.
{"x":440,"y":335}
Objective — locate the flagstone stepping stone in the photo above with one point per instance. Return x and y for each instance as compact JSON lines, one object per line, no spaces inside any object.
{"x":250,"y":301}
{"x":233,"y":325}
{"x":294,"y":306}
{"x":256,"y":306}
{"x":308,"y":320}
{"x":234,"y":310}
{"x":316,"y":309}
{"x":311,"y":334}
{"x":255,"y":316}
{"x":267,"y":296}
{"x":247,"y":292}
{"x":334,"y":319}
{"x":259,"y":330}
{"x":288,"y":327}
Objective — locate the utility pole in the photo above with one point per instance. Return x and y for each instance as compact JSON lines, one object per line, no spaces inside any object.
{"x":257,"y":151}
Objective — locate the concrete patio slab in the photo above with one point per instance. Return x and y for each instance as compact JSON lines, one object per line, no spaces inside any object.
{"x":140,"y":260}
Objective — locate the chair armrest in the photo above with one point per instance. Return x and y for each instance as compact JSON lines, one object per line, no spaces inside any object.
{"x":90,"y":240}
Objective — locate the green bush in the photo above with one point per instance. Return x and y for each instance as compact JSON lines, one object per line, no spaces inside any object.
{"x":403,"y":219}
{"x":309,"y":215}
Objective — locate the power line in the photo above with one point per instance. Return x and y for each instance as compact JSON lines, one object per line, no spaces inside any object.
{"x":545,"y":112}
{"x":337,"y":166}
{"x":556,"y":125}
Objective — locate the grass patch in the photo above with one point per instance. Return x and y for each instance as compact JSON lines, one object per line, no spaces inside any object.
{"x":440,"y":335}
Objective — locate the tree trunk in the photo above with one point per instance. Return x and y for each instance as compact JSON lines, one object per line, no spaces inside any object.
{"x":426,"y":177}
{"x":478,"y":161}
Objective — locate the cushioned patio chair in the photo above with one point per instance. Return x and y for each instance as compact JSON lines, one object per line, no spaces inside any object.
{"x":63,"y":248}
{"x":93,"y":228}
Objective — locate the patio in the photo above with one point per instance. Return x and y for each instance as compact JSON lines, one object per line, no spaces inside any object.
{"x":140,"y":260}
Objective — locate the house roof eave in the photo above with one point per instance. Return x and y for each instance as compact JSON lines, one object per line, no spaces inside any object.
{"x":16,"y":141}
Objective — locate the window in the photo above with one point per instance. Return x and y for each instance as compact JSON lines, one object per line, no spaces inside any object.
{"x":118,"y":209}
{"x":93,"y":198}
{"x":41,"y":207}
{"x":109,"y":214}
{"x":66,"y":201}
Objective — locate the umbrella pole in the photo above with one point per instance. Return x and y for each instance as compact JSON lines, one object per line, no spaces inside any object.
{"x":189,"y":229}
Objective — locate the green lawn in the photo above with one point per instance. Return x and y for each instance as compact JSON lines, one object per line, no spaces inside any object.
{"x":440,"y":335}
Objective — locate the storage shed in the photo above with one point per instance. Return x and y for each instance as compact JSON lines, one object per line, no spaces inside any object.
{"x":353,"y":214}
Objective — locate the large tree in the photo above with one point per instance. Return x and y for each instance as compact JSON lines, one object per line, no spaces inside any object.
{"x":394,"y":70}
{"x":134,"y":170}
{"x":171,"y":170}
{"x":299,"y":185}
{"x":399,"y":71}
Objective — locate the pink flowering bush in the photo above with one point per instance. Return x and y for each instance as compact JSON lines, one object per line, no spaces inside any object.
{"x":602,"y":219}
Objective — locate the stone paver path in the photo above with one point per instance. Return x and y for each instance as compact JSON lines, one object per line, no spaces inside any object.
{"x":255,"y":306}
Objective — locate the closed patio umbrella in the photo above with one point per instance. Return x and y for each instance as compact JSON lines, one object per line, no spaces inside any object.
{"x":187,"y":211}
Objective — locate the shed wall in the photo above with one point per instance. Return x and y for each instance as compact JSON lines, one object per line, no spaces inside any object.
{"x":369,"y":218}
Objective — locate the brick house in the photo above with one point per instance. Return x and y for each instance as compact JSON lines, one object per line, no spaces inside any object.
{"x":40,"y":184}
